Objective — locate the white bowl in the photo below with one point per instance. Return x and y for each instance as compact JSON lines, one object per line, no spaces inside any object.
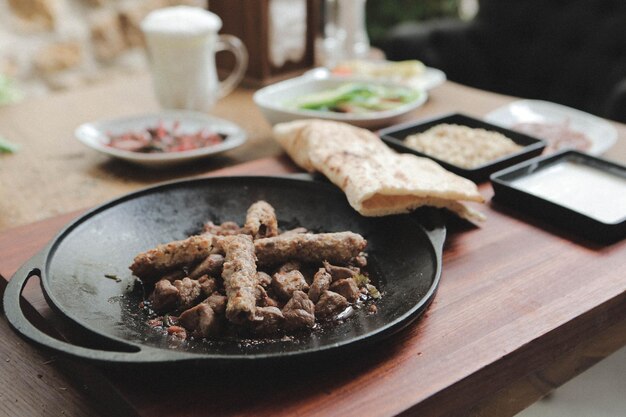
{"x":599,"y":132}
{"x":96,"y":136}
{"x":273,"y":99}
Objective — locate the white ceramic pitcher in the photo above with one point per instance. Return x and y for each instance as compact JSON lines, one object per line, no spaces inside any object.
{"x":182,"y":42}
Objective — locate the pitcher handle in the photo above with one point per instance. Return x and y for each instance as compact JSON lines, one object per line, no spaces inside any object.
{"x":233,"y":44}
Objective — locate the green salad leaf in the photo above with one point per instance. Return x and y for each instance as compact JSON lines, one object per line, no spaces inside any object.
{"x":357,"y":98}
{"x":7,"y":147}
{"x":9,"y":93}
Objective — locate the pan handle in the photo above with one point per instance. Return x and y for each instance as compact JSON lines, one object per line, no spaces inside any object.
{"x":20,"y":323}
{"x":437,"y":237}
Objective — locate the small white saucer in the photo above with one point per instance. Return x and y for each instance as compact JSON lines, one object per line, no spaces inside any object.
{"x":96,"y":136}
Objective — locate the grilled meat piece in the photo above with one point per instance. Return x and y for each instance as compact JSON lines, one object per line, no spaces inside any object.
{"x":165,"y":296}
{"x":177,"y":332}
{"x":212,"y":265}
{"x":261,"y":220}
{"x":239,"y":275}
{"x":224,"y":229}
{"x":340,"y":272}
{"x":330,"y":304}
{"x":267,"y":320}
{"x":263,"y":279}
{"x":262,"y":299}
{"x":217,"y":302}
{"x":189,"y":291}
{"x":174,"y":275}
{"x":346,"y":287}
{"x":290,"y":266}
{"x":155,"y":263}
{"x":321,"y":282}
{"x":361,"y":260}
{"x":337,"y":248}
{"x":299,"y":312}
{"x":208,"y":285}
{"x":285,"y":283}
{"x":201,"y":320}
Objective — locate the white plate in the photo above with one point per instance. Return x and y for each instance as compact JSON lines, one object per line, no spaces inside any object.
{"x":600,"y":132}
{"x":273,"y":101}
{"x":95,"y":135}
{"x":431,"y":78}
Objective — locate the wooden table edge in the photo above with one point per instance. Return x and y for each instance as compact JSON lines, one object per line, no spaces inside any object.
{"x":599,"y":322}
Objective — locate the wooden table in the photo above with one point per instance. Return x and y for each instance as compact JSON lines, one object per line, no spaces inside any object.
{"x":521,"y":309}
{"x":53,"y":173}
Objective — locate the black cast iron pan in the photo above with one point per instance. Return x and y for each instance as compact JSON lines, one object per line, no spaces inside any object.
{"x":405,"y":253}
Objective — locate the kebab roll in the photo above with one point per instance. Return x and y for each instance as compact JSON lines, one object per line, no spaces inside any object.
{"x":155,"y":263}
{"x":239,"y":274}
{"x":261,"y":220}
{"x":337,"y":248}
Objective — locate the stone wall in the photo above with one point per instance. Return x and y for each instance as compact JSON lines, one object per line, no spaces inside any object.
{"x":49,"y":45}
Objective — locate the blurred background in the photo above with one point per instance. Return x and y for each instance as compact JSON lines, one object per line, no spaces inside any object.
{"x":568,"y":52}
{"x":385,"y":14}
{"x":52,"y":45}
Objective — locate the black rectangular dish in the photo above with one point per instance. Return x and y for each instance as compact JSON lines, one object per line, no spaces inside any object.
{"x":572,"y":190}
{"x":394,"y":136}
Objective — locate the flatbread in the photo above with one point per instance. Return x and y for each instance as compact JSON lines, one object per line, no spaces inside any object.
{"x":377,"y":180}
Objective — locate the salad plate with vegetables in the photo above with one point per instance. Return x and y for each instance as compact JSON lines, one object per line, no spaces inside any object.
{"x":364,"y":103}
{"x":357,"y":98}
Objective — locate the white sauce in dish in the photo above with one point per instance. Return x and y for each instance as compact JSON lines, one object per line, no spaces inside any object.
{"x":595,"y":193}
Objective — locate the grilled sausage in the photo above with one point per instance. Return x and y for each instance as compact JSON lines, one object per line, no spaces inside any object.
{"x":337,"y":248}
{"x":239,"y":275}
{"x":261,"y":220}
{"x":153,"y":264}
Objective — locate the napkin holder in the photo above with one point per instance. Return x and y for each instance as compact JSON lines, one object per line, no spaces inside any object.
{"x":255,"y":23}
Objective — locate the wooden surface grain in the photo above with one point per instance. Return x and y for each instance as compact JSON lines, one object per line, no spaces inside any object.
{"x":53,"y":173}
{"x":518,"y":301}
{"x":31,"y":383}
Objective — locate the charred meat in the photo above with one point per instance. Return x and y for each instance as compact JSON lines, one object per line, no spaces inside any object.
{"x":239,"y":276}
{"x":337,"y":248}
{"x":261,"y":220}
{"x":157,"y":262}
{"x":253,"y":281}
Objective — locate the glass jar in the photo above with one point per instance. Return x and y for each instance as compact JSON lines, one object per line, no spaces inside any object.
{"x":345,"y":35}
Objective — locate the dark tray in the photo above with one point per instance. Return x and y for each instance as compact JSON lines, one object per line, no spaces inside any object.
{"x":561,"y":216}
{"x":394,"y":137}
{"x":405,"y":257}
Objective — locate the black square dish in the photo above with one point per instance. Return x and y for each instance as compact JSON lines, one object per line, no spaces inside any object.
{"x":394,"y":136}
{"x":572,"y":190}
